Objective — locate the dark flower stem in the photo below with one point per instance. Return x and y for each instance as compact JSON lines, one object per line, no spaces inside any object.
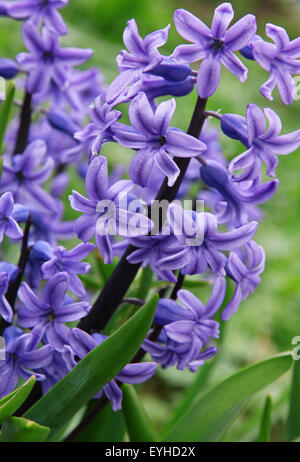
{"x":25,"y":121}
{"x":11,"y":294}
{"x":118,"y":284}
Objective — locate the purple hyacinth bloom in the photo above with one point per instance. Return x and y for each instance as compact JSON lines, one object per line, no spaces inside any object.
{"x":168,"y":353}
{"x":51,"y":228}
{"x":50,"y":311}
{"x":70,"y":262}
{"x":150,"y":250}
{"x":38,"y":12}
{"x":82,"y":343}
{"x":101,"y":129}
{"x":22,"y":358}
{"x":6,"y":311}
{"x":280,"y":59}
{"x":26,"y":175}
{"x":199,"y":243}
{"x":154,"y":140}
{"x":8,"y":225}
{"x":215,"y":46}
{"x":47,"y":64}
{"x":41,"y":252}
{"x":62,"y":362}
{"x":244,"y":268}
{"x":190,"y":326}
{"x":144,"y":58}
{"x":264,"y":144}
{"x":9,"y":268}
{"x":86,"y":86}
{"x":104,"y":208}
{"x":232,"y":199}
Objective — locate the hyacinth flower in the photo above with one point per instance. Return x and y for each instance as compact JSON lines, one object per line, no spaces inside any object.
{"x":86,"y":86}
{"x":189,"y":327}
{"x":95,"y":220}
{"x":154,"y":140}
{"x":101,"y":129}
{"x":168,"y":353}
{"x":62,"y":362}
{"x":50,"y":312}
{"x":48,"y":65}
{"x":50,"y":228}
{"x":26,"y":175}
{"x":143,"y":57}
{"x":6,"y":311}
{"x":8,"y":225}
{"x":280,"y":59}
{"x":214,"y":46}
{"x":41,"y":252}
{"x":232,"y":200}
{"x":82,"y":343}
{"x":38,"y":12}
{"x":22,"y":358}
{"x":263,"y":144}
{"x":69,"y":261}
{"x":200,"y":246}
{"x":150,"y":249}
{"x":244,"y":268}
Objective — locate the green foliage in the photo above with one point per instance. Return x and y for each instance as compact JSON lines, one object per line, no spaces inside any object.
{"x":212,"y":414}
{"x":138,"y":425}
{"x":20,"y":430}
{"x":95,"y":370}
{"x":293,"y":429}
{"x":9,"y":404}
{"x":266,"y":422}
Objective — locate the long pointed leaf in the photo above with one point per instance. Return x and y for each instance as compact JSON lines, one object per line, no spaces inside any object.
{"x":201,"y":422}
{"x":138,"y":425}
{"x":94,"y":371}
{"x":19,"y":430}
{"x":12,"y":402}
{"x":293,"y":423}
{"x":265,"y":424}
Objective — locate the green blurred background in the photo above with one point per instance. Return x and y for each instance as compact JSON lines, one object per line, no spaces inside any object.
{"x":270,"y":318}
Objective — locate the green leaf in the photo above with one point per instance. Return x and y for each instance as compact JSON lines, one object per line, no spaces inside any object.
{"x":18,"y":429}
{"x":202,"y":421}
{"x":138,"y":425}
{"x":145,"y":283}
{"x":93,"y":372}
{"x":5,"y":110}
{"x":12,"y":402}
{"x":266,"y":423}
{"x":293,"y":423}
{"x":107,"y":425}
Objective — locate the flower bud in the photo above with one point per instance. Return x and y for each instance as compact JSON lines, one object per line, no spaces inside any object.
{"x":171,"y":70}
{"x":62,"y":122}
{"x":154,"y":88}
{"x":8,"y":68}
{"x":234,"y":126}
